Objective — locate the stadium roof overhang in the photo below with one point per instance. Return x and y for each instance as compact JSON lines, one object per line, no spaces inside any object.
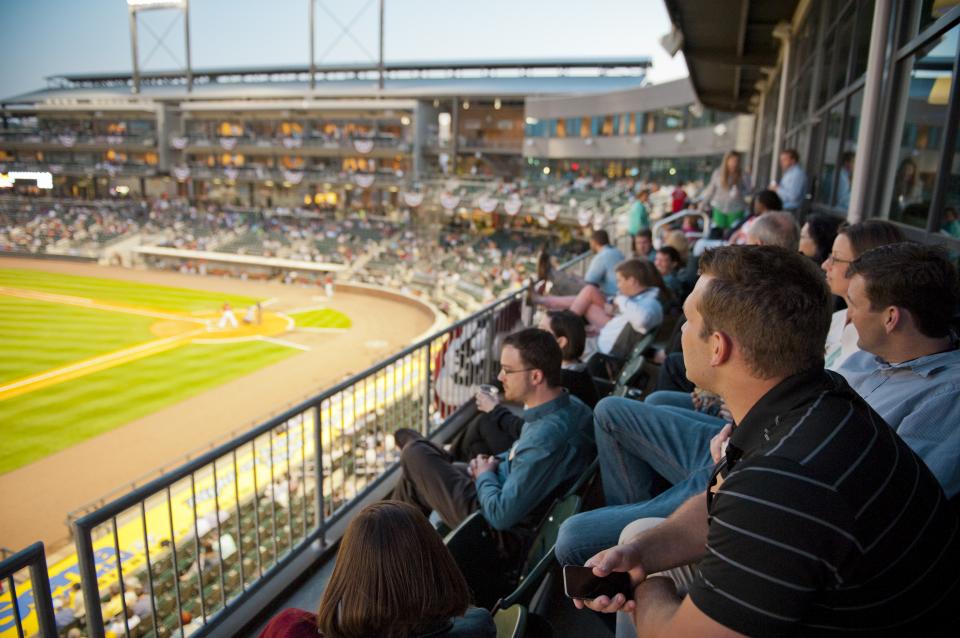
{"x":454,"y":68}
{"x":729,"y":46}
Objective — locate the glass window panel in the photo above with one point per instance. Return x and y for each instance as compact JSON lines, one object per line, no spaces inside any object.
{"x":950,"y":217}
{"x":841,"y":54}
{"x":828,"y":63}
{"x":922,"y":117}
{"x":862,"y":44}
{"x":848,"y":157}
{"x":922,"y":13}
{"x":831,"y":153}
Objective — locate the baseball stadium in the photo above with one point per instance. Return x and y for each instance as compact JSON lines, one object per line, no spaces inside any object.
{"x":231,"y":296}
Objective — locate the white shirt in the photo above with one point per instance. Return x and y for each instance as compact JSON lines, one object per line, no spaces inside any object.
{"x":841,"y":341}
{"x":643,"y":312}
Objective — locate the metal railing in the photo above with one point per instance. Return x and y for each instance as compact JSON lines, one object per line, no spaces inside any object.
{"x":202,"y":539}
{"x":34,"y":559}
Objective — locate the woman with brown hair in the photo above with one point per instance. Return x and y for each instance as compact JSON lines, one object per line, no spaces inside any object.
{"x":394,"y":578}
{"x":725,"y":193}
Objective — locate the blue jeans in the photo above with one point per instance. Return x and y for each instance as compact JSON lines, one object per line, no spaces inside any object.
{"x":635,"y":442}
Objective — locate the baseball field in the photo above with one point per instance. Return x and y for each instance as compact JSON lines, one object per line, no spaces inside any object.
{"x":84,"y":355}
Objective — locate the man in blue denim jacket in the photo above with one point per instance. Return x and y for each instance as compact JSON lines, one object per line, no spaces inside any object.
{"x":554,"y":449}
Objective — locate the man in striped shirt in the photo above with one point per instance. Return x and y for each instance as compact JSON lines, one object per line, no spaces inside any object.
{"x":819,"y":520}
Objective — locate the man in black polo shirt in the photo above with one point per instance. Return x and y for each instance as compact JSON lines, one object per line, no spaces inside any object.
{"x":820,"y":520}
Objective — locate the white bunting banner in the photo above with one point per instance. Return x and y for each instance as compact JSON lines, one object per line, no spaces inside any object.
{"x":67,"y":140}
{"x":551,"y":211}
{"x":294,"y":177}
{"x":228,"y":143}
{"x":413,"y":199}
{"x":181,"y":172}
{"x":179,"y":143}
{"x":292,"y":142}
{"x":56,"y":169}
{"x":363,"y":146}
{"x":449,"y":201}
{"x":584,"y":216}
{"x":487,"y":204}
{"x":512,"y":206}
{"x":364,"y":180}
{"x":113,"y":140}
{"x":231,"y":173}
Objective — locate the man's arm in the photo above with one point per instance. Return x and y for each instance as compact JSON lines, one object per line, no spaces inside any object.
{"x":660,"y":612}
{"x":679,"y":540}
{"x":596,"y":271}
{"x":536,"y":469}
{"x":932,"y":433}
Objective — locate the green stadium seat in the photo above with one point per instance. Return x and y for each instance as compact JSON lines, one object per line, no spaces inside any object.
{"x":475,"y":549}
{"x":511,"y":622}
{"x":540,"y":558}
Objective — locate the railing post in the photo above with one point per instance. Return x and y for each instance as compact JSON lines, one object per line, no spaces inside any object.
{"x":88,"y":579}
{"x":426,"y":389}
{"x":488,"y":347}
{"x":41,"y":593}
{"x":318,"y":470}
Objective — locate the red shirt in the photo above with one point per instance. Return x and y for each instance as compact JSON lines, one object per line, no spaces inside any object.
{"x":292,"y":623}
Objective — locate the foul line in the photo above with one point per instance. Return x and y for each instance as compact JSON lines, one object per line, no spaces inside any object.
{"x":284,"y":342}
{"x":90,"y":303}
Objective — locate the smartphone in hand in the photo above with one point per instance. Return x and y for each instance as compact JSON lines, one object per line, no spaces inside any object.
{"x":580,"y":582}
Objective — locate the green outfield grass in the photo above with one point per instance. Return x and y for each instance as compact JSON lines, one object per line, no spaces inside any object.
{"x":40,"y":335}
{"x":36,"y":336}
{"x":322,"y":318}
{"x":127,"y":292}
{"x":45,"y":421}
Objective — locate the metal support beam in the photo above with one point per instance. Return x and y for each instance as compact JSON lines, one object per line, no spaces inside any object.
{"x":313,"y":61}
{"x":870,"y":125}
{"x":784,"y":33}
{"x":186,"y":43}
{"x":133,"y":48}
{"x":380,"y":65}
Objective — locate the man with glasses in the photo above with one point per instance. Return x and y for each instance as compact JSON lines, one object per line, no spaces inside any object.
{"x":554,"y":449}
{"x":819,"y":519}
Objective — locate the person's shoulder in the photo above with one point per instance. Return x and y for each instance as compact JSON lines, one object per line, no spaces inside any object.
{"x":476,"y":623}
{"x":292,"y":623}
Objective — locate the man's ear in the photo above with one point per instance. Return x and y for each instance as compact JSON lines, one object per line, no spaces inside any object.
{"x":536,"y":376}
{"x":721,"y":348}
{"x":894,"y":317}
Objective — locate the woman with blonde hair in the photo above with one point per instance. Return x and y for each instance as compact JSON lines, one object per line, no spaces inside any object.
{"x":726,"y":192}
{"x":394,"y":578}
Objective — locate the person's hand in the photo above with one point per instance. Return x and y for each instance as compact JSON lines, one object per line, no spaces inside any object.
{"x":610,"y":309}
{"x":486,"y":402}
{"x":482,"y":463}
{"x":696,"y":398}
{"x":718,"y":442}
{"x":622,"y":558}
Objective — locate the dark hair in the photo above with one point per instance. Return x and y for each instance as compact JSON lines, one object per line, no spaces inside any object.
{"x":671,"y":254}
{"x":915,"y":277}
{"x":792,"y":153}
{"x":822,"y":230}
{"x":600,"y":237}
{"x":870,"y":234}
{"x":538,"y":350}
{"x":645,"y":232}
{"x":769,"y":199}
{"x":772,"y":301}
{"x":564,"y":323}
{"x":377,"y":590}
{"x":647,"y":274}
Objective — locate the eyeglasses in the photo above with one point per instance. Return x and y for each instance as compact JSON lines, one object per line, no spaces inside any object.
{"x":833,"y":259}
{"x":505,"y":371}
